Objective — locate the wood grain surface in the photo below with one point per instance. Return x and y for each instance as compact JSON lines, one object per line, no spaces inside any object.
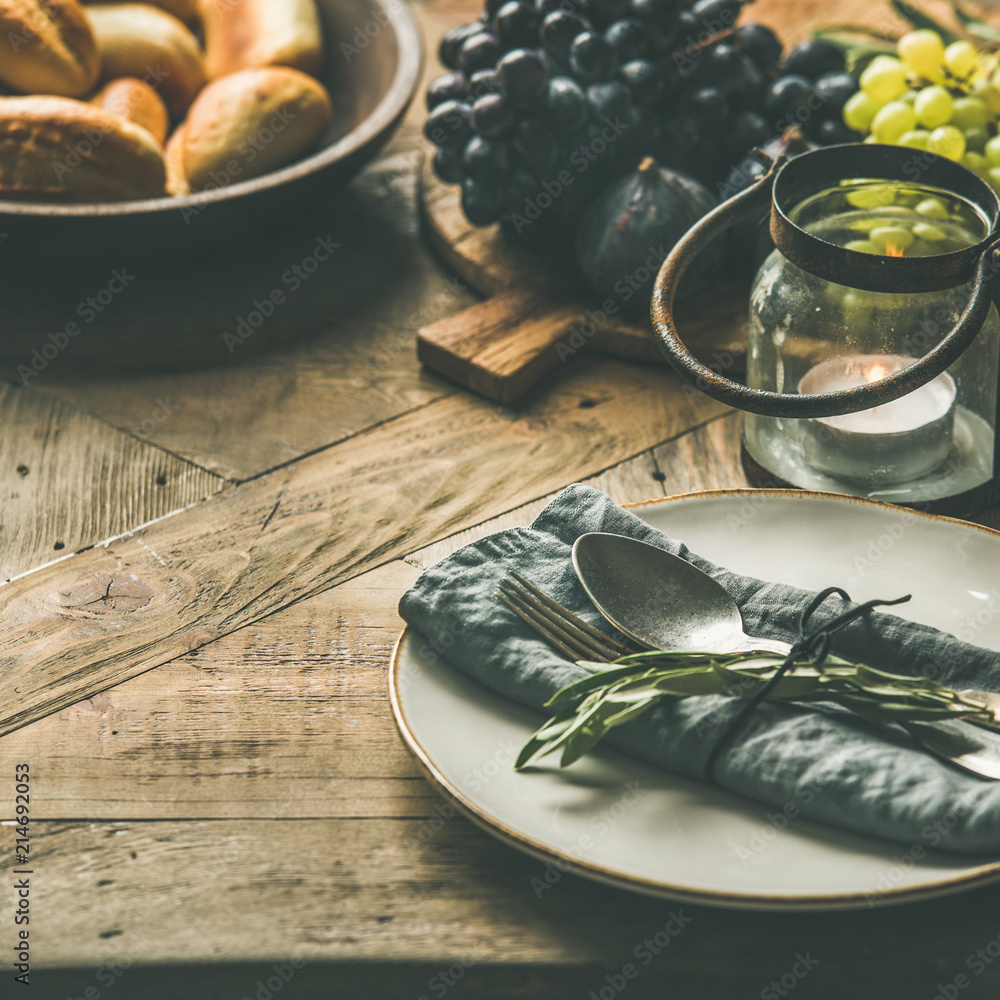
{"x":247,"y":811}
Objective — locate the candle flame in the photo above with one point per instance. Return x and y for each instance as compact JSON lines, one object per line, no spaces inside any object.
{"x":876,"y":372}
{"x":892,"y":250}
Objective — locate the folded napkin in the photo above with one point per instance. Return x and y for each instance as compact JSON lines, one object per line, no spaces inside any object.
{"x":836,"y":767}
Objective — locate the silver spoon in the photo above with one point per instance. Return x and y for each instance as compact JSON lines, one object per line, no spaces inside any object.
{"x":663,"y":602}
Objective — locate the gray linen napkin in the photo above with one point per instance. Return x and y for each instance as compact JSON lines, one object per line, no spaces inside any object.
{"x":870,"y":779}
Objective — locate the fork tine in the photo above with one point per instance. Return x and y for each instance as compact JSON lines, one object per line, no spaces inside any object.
{"x":568,"y":616}
{"x":549,"y":636}
{"x":541,"y":619}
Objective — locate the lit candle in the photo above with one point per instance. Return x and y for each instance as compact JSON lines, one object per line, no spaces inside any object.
{"x":890,"y":443}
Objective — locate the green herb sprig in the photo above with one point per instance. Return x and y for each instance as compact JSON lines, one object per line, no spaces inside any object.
{"x":618,"y":692}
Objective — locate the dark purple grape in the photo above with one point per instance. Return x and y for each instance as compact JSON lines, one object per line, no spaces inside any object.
{"x":643,"y":79}
{"x":522,"y":76}
{"x":479,"y":51}
{"x":483,"y":82}
{"x":536,"y":145}
{"x":602,"y":12}
{"x":480,"y":203}
{"x":592,"y":58}
{"x":519,"y":191}
{"x":643,"y":134}
{"x":833,"y":132}
{"x":609,"y":101}
{"x":746,"y":92}
{"x":491,"y":9}
{"x":683,"y":134}
{"x":545,"y":7}
{"x":452,"y":42}
{"x":486,"y":160}
{"x":834,"y":89}
{"x":492,"y":116}
{"x":628,"y":38}
{"x":564,"y":107}
{"x":760,"y":44}
{"x":447,"y":164}
{"x":813,"y":58}
{"x":517,"y":25}
{"x":660,"y":18}
{"x":687,"y":27}
{"x":448,"y":125}
{"x":718,"y":66}
{"x":716,"y":15}
{"x":558,"y":31}
{"x":447,"y":87}
{"x":706,"y":104}
{"x":748,"y":130}
{"x":786,"y":98}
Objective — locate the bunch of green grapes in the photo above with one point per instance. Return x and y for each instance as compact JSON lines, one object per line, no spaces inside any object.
{"x":943,"y":99}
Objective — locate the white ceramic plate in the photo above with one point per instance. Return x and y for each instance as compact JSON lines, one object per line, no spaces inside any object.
{"x":618,"y":820}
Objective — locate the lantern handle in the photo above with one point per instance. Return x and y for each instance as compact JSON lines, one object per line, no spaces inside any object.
{"x":799,"y":405}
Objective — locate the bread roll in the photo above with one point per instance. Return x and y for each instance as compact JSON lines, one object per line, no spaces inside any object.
{"x":48,"y":47}
{"x":184,"y":10}
{"x":137,"y":40}
{"x":252,"y":122}
{"x":243,"y":34}
{"x":177,"y":182}
{"x":53,"y":148}
{"x":137,"y":102}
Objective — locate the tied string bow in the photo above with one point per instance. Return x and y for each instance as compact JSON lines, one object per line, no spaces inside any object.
{"x":810,"y":646}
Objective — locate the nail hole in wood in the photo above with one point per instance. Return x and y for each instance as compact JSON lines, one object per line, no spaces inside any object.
{"x":587,"y":404}
{"x":133,"y":855}
{"x":59,"y":545}
{"x":161,"y":479}
{"x":22,"y":470}
{"x":659,"y":476}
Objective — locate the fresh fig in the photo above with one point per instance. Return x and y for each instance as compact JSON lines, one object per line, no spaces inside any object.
{"x":632,"y":226}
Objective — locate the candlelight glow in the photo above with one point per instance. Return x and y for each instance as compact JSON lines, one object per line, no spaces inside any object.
{"x":892,"y":250}
{"x":876,"y":372}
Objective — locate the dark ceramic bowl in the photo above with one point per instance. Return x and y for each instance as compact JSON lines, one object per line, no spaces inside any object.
{"x":372,"y":68}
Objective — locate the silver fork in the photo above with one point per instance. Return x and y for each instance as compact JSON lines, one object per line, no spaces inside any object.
{"x":972,"y":749}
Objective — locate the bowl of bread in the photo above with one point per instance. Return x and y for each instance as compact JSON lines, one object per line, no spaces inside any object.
{"x":171,"y":125}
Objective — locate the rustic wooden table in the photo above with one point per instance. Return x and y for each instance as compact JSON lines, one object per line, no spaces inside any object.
{"x":243,"y":821}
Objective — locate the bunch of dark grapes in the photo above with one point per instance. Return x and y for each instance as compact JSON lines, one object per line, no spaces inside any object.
{"x":547,"y":101}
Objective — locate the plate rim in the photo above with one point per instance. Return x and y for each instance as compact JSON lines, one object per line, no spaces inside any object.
{"x":983,"y":875}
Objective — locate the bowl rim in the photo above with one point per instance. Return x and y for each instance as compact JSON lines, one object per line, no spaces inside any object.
{"x":392,"y":106}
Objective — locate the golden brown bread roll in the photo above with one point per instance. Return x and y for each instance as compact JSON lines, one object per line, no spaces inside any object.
{"x":184,"y":10}
{"x":53,"y":148}
{"x":137,"y":102}
{"x":243,"y":34}
{"x":177,"y":182}
{"x":137,"y":40}
{"x":48,"y":47}
{"x":249,"y":123}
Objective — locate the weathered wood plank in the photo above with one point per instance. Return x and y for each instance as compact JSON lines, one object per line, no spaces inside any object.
{"x":108,"y":614}
{"x":377,"y":891}
{"x":68,"y":480}
{"x":200,"y":736}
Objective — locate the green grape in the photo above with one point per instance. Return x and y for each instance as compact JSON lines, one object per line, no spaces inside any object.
{"x":932,"y":208}
{"x":862,"y":246}
{"x":892,"y":121}
{"x":976,"y":162}
{"x":908,"y":97}
{"x":988,"y":94}
{"x":916,"y":138}
{"x":934,"y":107}
{"x":976,"y":139}
{"x":993,"y":176}
{"x":947,"y":141}
{"x":871,"y":196}
{"x":992,"y":151}
{"x":923,"y":52}
{"x":883,"y":79}
{"x":859,"y":111}
{"x":896,"y":235}
{"x":925,"y":231}
{"x":961,"y":58}
{"x":969,"y":112}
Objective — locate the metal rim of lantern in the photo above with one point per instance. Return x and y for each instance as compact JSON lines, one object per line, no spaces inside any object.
{"x":787,"y":183}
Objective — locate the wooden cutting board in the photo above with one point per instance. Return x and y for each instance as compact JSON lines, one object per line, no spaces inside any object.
{"x":538,"y":314}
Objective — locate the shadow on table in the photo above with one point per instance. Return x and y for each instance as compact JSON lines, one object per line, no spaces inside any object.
{"x":345,"y":258}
